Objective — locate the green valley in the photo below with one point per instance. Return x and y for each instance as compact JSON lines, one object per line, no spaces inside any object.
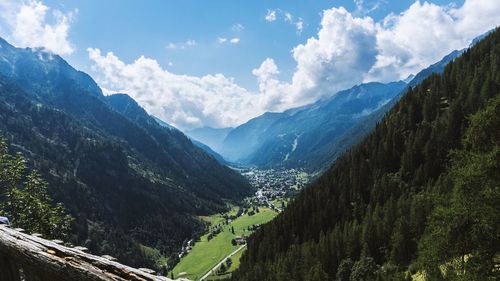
{"x":209,"y":251}
{"x":226,"y":233}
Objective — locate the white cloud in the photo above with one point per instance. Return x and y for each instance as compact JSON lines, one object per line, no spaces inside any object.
{"x":32,"y":24}
{"x":182,"y":45}
{"x":266,"y":70}
{"x":184,"y":101}
{"x":347,"y":50}
{"x":425,"y":32}
{"x":271,"y":15}
{"x":271,"y":90}
{"x":343,"y":51}
{"x":224,"y":40}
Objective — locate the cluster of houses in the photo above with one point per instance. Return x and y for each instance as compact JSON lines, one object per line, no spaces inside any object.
{"x":239,"y":240}
{"x":186,"y":248}
{"x":274,"y":183}
{"x":275,"y":179}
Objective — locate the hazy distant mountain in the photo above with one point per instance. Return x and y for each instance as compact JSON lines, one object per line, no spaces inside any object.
{"x":243,"y":140}
{"x":199,"y":144}
{"x":126,"y":179}
{"x":297,"y":139}
{"x":213,"y":137}
{"x":293,"y":137}
{"x":210,"y":152}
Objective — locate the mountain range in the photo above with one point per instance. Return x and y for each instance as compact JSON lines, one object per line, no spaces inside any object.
{"x":417,"y":198}
{"x":314,"y":135}
{"x":130,"y":183}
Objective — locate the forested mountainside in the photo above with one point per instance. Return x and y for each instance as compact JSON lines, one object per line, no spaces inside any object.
{"x":131,"y":184}
{"x":187,"y":153}
{"x":322,"y":158}
{"x":420,"y":192}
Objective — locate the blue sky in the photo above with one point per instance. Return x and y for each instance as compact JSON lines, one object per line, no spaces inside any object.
{"x":196,"y":63}
{"x":134,"y":28}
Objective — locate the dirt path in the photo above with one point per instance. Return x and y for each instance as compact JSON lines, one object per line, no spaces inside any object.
{"x":221,"y":262}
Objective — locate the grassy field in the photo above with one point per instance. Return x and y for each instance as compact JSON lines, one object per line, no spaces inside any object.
{"x":277,"y":202}
{"x":205,"y":254}
{"x":236,"y":263}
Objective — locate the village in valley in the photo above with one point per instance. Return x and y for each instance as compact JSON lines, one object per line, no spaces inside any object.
{"x":214,"y":255}
{"x":275,"y":184}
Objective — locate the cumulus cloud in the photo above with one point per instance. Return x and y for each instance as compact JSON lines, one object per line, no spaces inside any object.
{"x":184,"y":101}
{"x":348,"y":49}
{"x":425,"y":32}
{"x":343,"y":51}
{"x":235,"y":40}
{"x":32,"y":24}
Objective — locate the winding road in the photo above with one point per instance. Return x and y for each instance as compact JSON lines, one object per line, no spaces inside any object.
{"x":221,"y":262}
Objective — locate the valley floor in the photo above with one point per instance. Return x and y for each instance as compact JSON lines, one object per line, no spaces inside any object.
{"x":227,"y":233}
{"x":209,"y":251}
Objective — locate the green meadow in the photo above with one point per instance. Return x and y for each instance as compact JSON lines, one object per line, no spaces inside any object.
{"x":206,"y":254}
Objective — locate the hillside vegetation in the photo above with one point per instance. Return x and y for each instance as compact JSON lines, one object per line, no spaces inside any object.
{"x":130,"y":183}
{"x":211,"y":249}
{"x":420,"y":192}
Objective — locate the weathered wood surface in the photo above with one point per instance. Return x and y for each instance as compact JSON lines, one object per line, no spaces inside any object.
{"x":44,"y":260}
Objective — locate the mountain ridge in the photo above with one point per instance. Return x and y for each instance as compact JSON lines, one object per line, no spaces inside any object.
{"x":128,"y":181}
{"x":385,"y":208}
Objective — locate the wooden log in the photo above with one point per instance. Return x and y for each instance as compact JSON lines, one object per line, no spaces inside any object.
{"x":9,"y":271}
{"x":31,"y":274}
{"x":110,"y":258}
{"x":80,"y":248}
{"x":59,"y":263}
{"x":147,"y":270}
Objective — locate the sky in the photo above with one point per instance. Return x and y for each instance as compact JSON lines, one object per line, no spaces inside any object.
{"x":220,"y":63}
